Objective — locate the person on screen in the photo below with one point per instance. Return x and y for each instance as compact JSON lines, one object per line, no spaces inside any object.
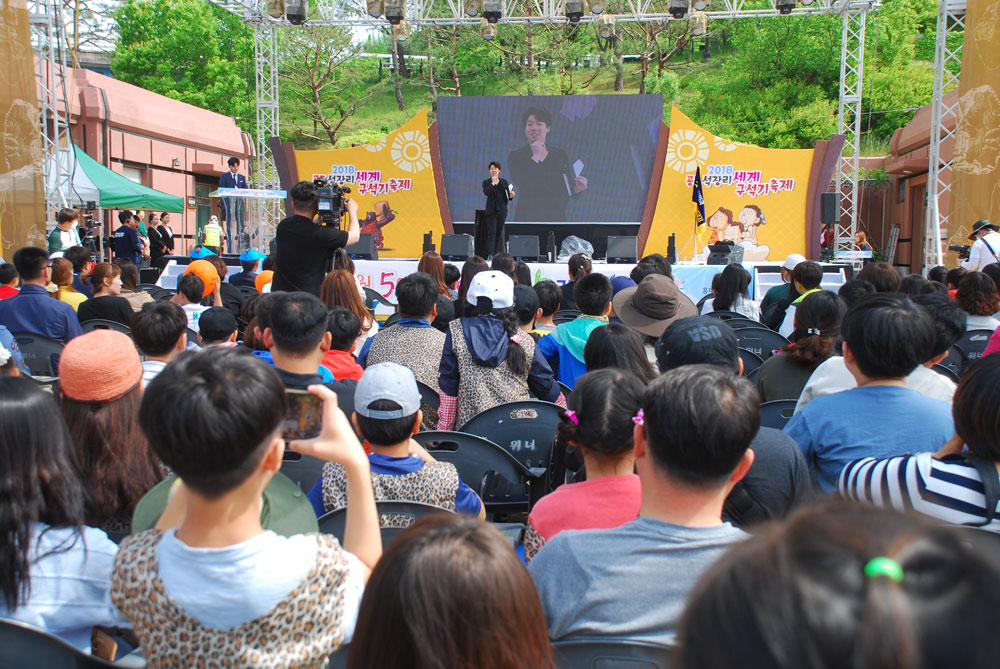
{"x":542,"y":173}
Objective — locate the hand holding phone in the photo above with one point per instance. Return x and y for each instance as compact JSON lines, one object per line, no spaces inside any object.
{"x":335,"y":441}
{"x":304,"y":418}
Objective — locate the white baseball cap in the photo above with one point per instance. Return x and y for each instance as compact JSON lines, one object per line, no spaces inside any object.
{"x":495,"y":285}
{"x":793,"y":260}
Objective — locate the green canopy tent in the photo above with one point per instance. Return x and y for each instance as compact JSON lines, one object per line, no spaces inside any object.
{"x":95,"y":182}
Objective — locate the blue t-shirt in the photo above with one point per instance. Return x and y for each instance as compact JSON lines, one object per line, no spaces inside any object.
{"x":324,"y":373}
{"x":872,"y":421}
{"x":466,"y":501}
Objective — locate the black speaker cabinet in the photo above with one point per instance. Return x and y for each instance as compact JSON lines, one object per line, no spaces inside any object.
{"x":457,"y":247}
{"x":828,"y":204}
{"x":672,"y":249}
{"x":365,"y":249}
{"x":623,"y":249}
{"x":725,"y":253}
{"x":523,"y":247}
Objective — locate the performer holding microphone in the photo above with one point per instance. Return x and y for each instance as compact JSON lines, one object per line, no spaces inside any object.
{"x":498,"y":193}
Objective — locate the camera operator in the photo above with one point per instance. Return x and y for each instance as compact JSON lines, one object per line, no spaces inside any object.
{"x":985,"y":249}
{"x":304,"y":247}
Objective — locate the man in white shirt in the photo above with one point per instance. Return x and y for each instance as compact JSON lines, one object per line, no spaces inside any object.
{"x":65,"y":234}
{"x":985,"y":247}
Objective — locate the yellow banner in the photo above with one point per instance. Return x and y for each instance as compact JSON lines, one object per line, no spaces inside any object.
{"x":393,"y":183}
{"x":753,"y":196}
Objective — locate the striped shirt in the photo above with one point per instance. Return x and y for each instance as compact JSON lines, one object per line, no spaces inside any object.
{"x":150,"y":368}
{"x":948,"y":490}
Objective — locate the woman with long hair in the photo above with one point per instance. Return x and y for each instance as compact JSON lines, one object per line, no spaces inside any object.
{"x":861,"y":242}
{"x":470,"y":268}
{"x":578,"y":266}
{"x":62,"y":276}
{"x":432,"y":264}
{"x":106,"y":304}
{"x":450,"y":592}
{"x":619,"y":346}
{"x":130,"y":285}
{"x":56,"y":571}
{"x":817,"y":326}
{"x":340,"y":290}
{"x":733,"y":294}
{"x":99,"y":375}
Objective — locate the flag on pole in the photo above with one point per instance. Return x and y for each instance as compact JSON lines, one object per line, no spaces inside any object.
{"x":698,"y":198}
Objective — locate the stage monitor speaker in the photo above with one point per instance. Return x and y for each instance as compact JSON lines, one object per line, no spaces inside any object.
{"x":672,"y":249}
{"x":724,"y":253}
{"x":149,"y":274}
{"x":429,"y":242}
{"x":828,"y":205}
{"x":523,"y":247}
{"x":457,"y":247}
{"x":623,"y":249}
{"x":365,"y":249}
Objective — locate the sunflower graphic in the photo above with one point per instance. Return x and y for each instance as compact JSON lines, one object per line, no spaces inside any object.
{"x":375,"y":147}
{"x":410,"y":151}
{"x":724,"y":145}
{"x":687,"y":150}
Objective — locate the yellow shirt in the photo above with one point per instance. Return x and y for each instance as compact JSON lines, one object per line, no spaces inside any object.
{"x":71,"y":297}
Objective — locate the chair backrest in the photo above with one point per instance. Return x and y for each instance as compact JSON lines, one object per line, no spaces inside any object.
{"x":305,"y":470}
{"x":972,"y":344}
{"x":163,"y":294}
{"x":428,"y":395}
{"x":26,"y":646}
{"x":947,"y":372}
{"x":150,"y":288}
{"x":953,"y":361}
{"x":525,"y":429}
{"x":400,"y":514}
{"x":566,"y":390}
{"x":39,"y":353}
{"x":751,"y":361}
{"x":565,"y":316}
{"x":776,"y":413}
{"x":605,"y":653}
{"x":743,"y":323}
{"x":192,"y":337}
{"x":391,"y":320}
{"x":104,"y":324}
{"x":984,"y":541}
{"x":760,"y":342}
{"x":371,"y":295}
{"x":247,"y":291}
{"x":725,"y":315}
{"x":494,"y":474}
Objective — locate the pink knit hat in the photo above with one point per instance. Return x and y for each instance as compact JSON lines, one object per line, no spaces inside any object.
{"x":99,"y":366}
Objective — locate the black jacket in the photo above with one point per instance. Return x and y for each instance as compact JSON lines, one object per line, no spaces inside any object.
{"x":496,"y":196}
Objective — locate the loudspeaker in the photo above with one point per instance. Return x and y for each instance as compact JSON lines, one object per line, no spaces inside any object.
{"x":724,"y":253}
{"x":457,"y":247}
{"x":623,"y":249}
{"x":828,"y":205}
{"x":523,"y":247}
{"x":365,"y":249}
{"x":149,"y":274}
{"x":672,"y":249}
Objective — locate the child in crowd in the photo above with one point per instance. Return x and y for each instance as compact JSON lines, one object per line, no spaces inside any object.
{"x":549,"y":299}
{"x":160,"y":332}
{"x":599,"y":424}
{"x":387,"y":413}
{"x":217,"y":326}
{"x":190,"y":289}
{"x":219,"y":587}
{"x":526,"y":306}
{"x":564,"y":347}
{"x":344,"y":328}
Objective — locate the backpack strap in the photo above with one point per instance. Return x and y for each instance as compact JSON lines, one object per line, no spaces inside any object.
{"x":991,"y":481}
{"x":997,"y":258}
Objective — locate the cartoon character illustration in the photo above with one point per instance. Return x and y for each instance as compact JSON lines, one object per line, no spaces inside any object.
{"x":719,"y":223}
{"x":376,"y":220}
{"x":750,"y":217}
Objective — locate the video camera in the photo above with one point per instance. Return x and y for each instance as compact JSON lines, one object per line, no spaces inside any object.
{"x":331,"y":201}
{"x":963,"y":250}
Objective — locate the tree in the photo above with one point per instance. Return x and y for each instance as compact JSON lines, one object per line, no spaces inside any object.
{"x":188,"y":50}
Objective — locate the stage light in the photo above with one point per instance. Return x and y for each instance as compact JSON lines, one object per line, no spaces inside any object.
{"x":473,"y":7}
{"x":401,"y":31}
{"x":784,"y":6}
{"x":574,"y":10}
{"x":297,"y":11}
{"x":492,"y":10}
{"x":606,"y":26}
{"x":395,"y":11}
{"x":678,"y":8}
{"x":374,"y":8}
{"x":701,"y":5}
{"x":487,"y":30}
{"x":596,"y":7}
{"x":275,"y":8}
{"x":699,"y":23}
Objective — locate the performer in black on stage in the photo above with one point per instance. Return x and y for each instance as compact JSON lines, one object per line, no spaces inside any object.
{"x":498,"y":193}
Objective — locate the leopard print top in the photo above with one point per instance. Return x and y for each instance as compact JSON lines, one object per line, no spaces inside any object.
{"x":420,"y":350}
{"x":302,"y":630}
{"x":481,"y":388}
{"x":533,"y":542}
{"x":436,"y":483}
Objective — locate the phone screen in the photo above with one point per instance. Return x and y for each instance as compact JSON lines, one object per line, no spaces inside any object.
{"x":305,"y":415}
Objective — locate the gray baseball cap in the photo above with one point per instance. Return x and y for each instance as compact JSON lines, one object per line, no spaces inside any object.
{"x":387,"y":381}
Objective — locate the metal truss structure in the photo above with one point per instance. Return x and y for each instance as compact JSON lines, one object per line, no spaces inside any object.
{"x":58,"y":159}
{"x":852,"y":68}
{"x":264,"y":174}
{"x":951,"y":18}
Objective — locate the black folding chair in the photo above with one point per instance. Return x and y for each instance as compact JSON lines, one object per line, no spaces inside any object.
{"x":392,"y":320}
{"x":598,"y":653}
{"x":248,"y":291}
{"x":566,"y":390}
{"x":972,"y":344}
{"x":428,"y":396}
{"x":104,"y":324}
{"x":525,"y":429}
{"x":743,"y":323}
{"x":726,"y":315}
{"x":39,"y":353}
{"x":22,"y":645}
{"x":305,"y":470}
{"x":760,"y":342}
{"x":776,"y":413}
{"x":163,"y":294}
{"x":150,"y":288}
{"x":947,"y":372}
{"x":371,"y":295}
{"x":394,"y":517}
{"x":751,"y":362}
{"x":953,"y":362}
{"x":192,"y":337}
{"x":565,"y":316}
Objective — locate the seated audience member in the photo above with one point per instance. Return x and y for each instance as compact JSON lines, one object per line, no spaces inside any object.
{"x":620,"y":347}
{"x":32,"y":310}
{"x":977,"y":296}
{"x":387,"y":415}
{"x":618,"y":284}
{"x":733,"y":294}
{"x":938,"y":274}
{"x":83,"y":262}
{"x":57,"y":571}
{"x":451,"y":277}
{"x":340,"y":290}
{"x":217,"y":327}
{"x":159,"y":331}
{"x":522,"y":273}
{"x":817,"y":326}
{"x":993,"y":271}
{"x":651,"y":264}
{"x":62,"y":276}
{"x":777,"y":293}
{"x":504,"y":262}
{"x":526,"y":306}
{"x":249,"y":262}
{"x":807,"y":276}
{"x":853,"y":290}
{"x":230,"y":590}
{"x":599,"y":425}
{"x":886,"y":337}
{"x":432,"y":264}
{"x":833,"y":376}
{"x":254,"y":337}
{"x":778,"y":479}
{"x":549,"y":298}
{"x":8,"y":362}
{"x":860,"y":587}
{"x":564,"y":348}
{"x":344,"y":328}
{"x":651,"y":307}
{"x":946,"y":485}
{"x":487,"y":360}
{"x":578,"y":266}
{"x":107,"y":303}
{"x":232,"y":298}
{"x":882,"y":275}
{"x":954,"y":277}
{"x":485,"y":610}
{"x":100,"y":375}
{"x":912,"y":284}
{"x":470,"y":268}
{"x":688,"y":460}
{"x":412,"y":342}
{"x":190,"y":289}
{"x":9,"y":280}
{"x":130,"y":285}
